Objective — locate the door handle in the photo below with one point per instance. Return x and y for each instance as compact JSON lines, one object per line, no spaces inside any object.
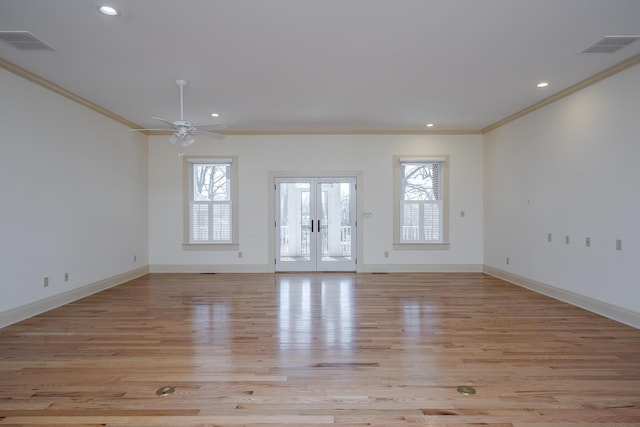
{"x":312,"y":226}
{"x":318,"y":225}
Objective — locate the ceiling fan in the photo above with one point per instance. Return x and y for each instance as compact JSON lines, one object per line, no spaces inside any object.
{"x":185,"y":130}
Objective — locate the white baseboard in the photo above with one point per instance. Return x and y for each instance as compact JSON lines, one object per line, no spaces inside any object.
{"x":605,"y":309}
{"x":33,"y":309}
{"x":420,"y":268}
{"x":206,"y":268}
{"x":365,"y":268}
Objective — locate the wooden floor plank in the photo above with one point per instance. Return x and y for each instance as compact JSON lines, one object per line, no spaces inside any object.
{"x":318,"y":349}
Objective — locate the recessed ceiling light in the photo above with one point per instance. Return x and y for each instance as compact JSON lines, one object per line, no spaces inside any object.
{"x":108,"y":10}
{"x":430,"y":125}
{"x":542,"y":84}
{"x":215,"y":115}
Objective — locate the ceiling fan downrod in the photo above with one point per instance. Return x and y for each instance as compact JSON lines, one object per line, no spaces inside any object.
{"x":182,"y":84}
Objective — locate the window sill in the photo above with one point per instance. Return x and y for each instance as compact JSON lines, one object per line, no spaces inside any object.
{"x":421,"y":246}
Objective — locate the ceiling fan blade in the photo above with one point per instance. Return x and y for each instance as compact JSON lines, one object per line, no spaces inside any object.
{"x":208,"y":134}
{"x":158,"y":130}
{"x":163,"y":121}
{"x":211,"y":126}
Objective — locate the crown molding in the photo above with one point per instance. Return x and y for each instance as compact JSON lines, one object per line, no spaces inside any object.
{"x":239,"y":132}
{"x":347,"y":132}
{"x":598,"y":77}
{"x":21,"y":72}
{"x":621,"y":66}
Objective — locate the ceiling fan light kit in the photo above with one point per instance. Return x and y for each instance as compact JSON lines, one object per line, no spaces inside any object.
{"x":183,"y":129}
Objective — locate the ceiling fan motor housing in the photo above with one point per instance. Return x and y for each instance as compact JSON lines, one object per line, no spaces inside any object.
{"x":183,"y":129}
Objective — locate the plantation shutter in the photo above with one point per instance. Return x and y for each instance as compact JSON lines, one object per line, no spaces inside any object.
{"x":421,"y":202}
{"x":210,"y":204}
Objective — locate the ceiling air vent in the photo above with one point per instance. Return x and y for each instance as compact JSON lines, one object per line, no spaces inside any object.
{"x":609,"y":44}
{"x":24,"y":40}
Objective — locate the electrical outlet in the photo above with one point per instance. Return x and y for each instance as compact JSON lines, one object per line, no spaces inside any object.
{"x":461,"y":214}
{"x":548,"y":237}
{"x":566,"y":239}
{"x":240,"y":254}
{"x":66,"y":277}
{"x":507,"y":260}
{"x":46,"y":282}
{"x":618,"y":245}
{"x":587,"y":242}
{"x":135,"y":258}
{"x":386,"y":254}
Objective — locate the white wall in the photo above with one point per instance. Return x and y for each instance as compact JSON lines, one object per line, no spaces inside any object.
{"x":570,"y":168}
{"x":74,"y":195}
{"x":81,"y":195}
{"x":370,"y":155}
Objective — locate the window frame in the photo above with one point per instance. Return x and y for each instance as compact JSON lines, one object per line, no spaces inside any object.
{"x":188,"y":165}
{"x":398,"y":160}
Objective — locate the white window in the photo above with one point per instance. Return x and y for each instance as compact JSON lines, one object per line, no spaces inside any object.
{"x":211,"y":207}
{"x":420,"y":197}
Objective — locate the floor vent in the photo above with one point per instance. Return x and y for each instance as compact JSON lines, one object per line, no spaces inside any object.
{"x":24,"y":40}
{"x":610,"y":44}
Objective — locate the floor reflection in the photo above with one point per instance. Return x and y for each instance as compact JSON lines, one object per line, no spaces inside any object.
{"x":316,"y":313}
{"x":418,"y":318}
{"x":212,"y":321}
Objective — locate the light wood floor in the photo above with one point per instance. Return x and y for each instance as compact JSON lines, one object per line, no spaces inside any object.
{"x":310,"y":350}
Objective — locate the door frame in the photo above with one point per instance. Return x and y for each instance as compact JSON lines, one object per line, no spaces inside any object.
{"x":316,"y":261}
{"x":271,"y":220}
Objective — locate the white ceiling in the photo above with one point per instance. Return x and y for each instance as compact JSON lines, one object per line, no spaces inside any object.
{"x":323,"y":65}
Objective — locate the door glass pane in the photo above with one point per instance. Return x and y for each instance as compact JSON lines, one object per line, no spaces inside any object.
{"x":335,"y":216}
{"x":295,"y":221}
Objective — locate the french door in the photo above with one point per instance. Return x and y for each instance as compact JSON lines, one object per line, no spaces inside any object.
{"x":315,"y":224}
